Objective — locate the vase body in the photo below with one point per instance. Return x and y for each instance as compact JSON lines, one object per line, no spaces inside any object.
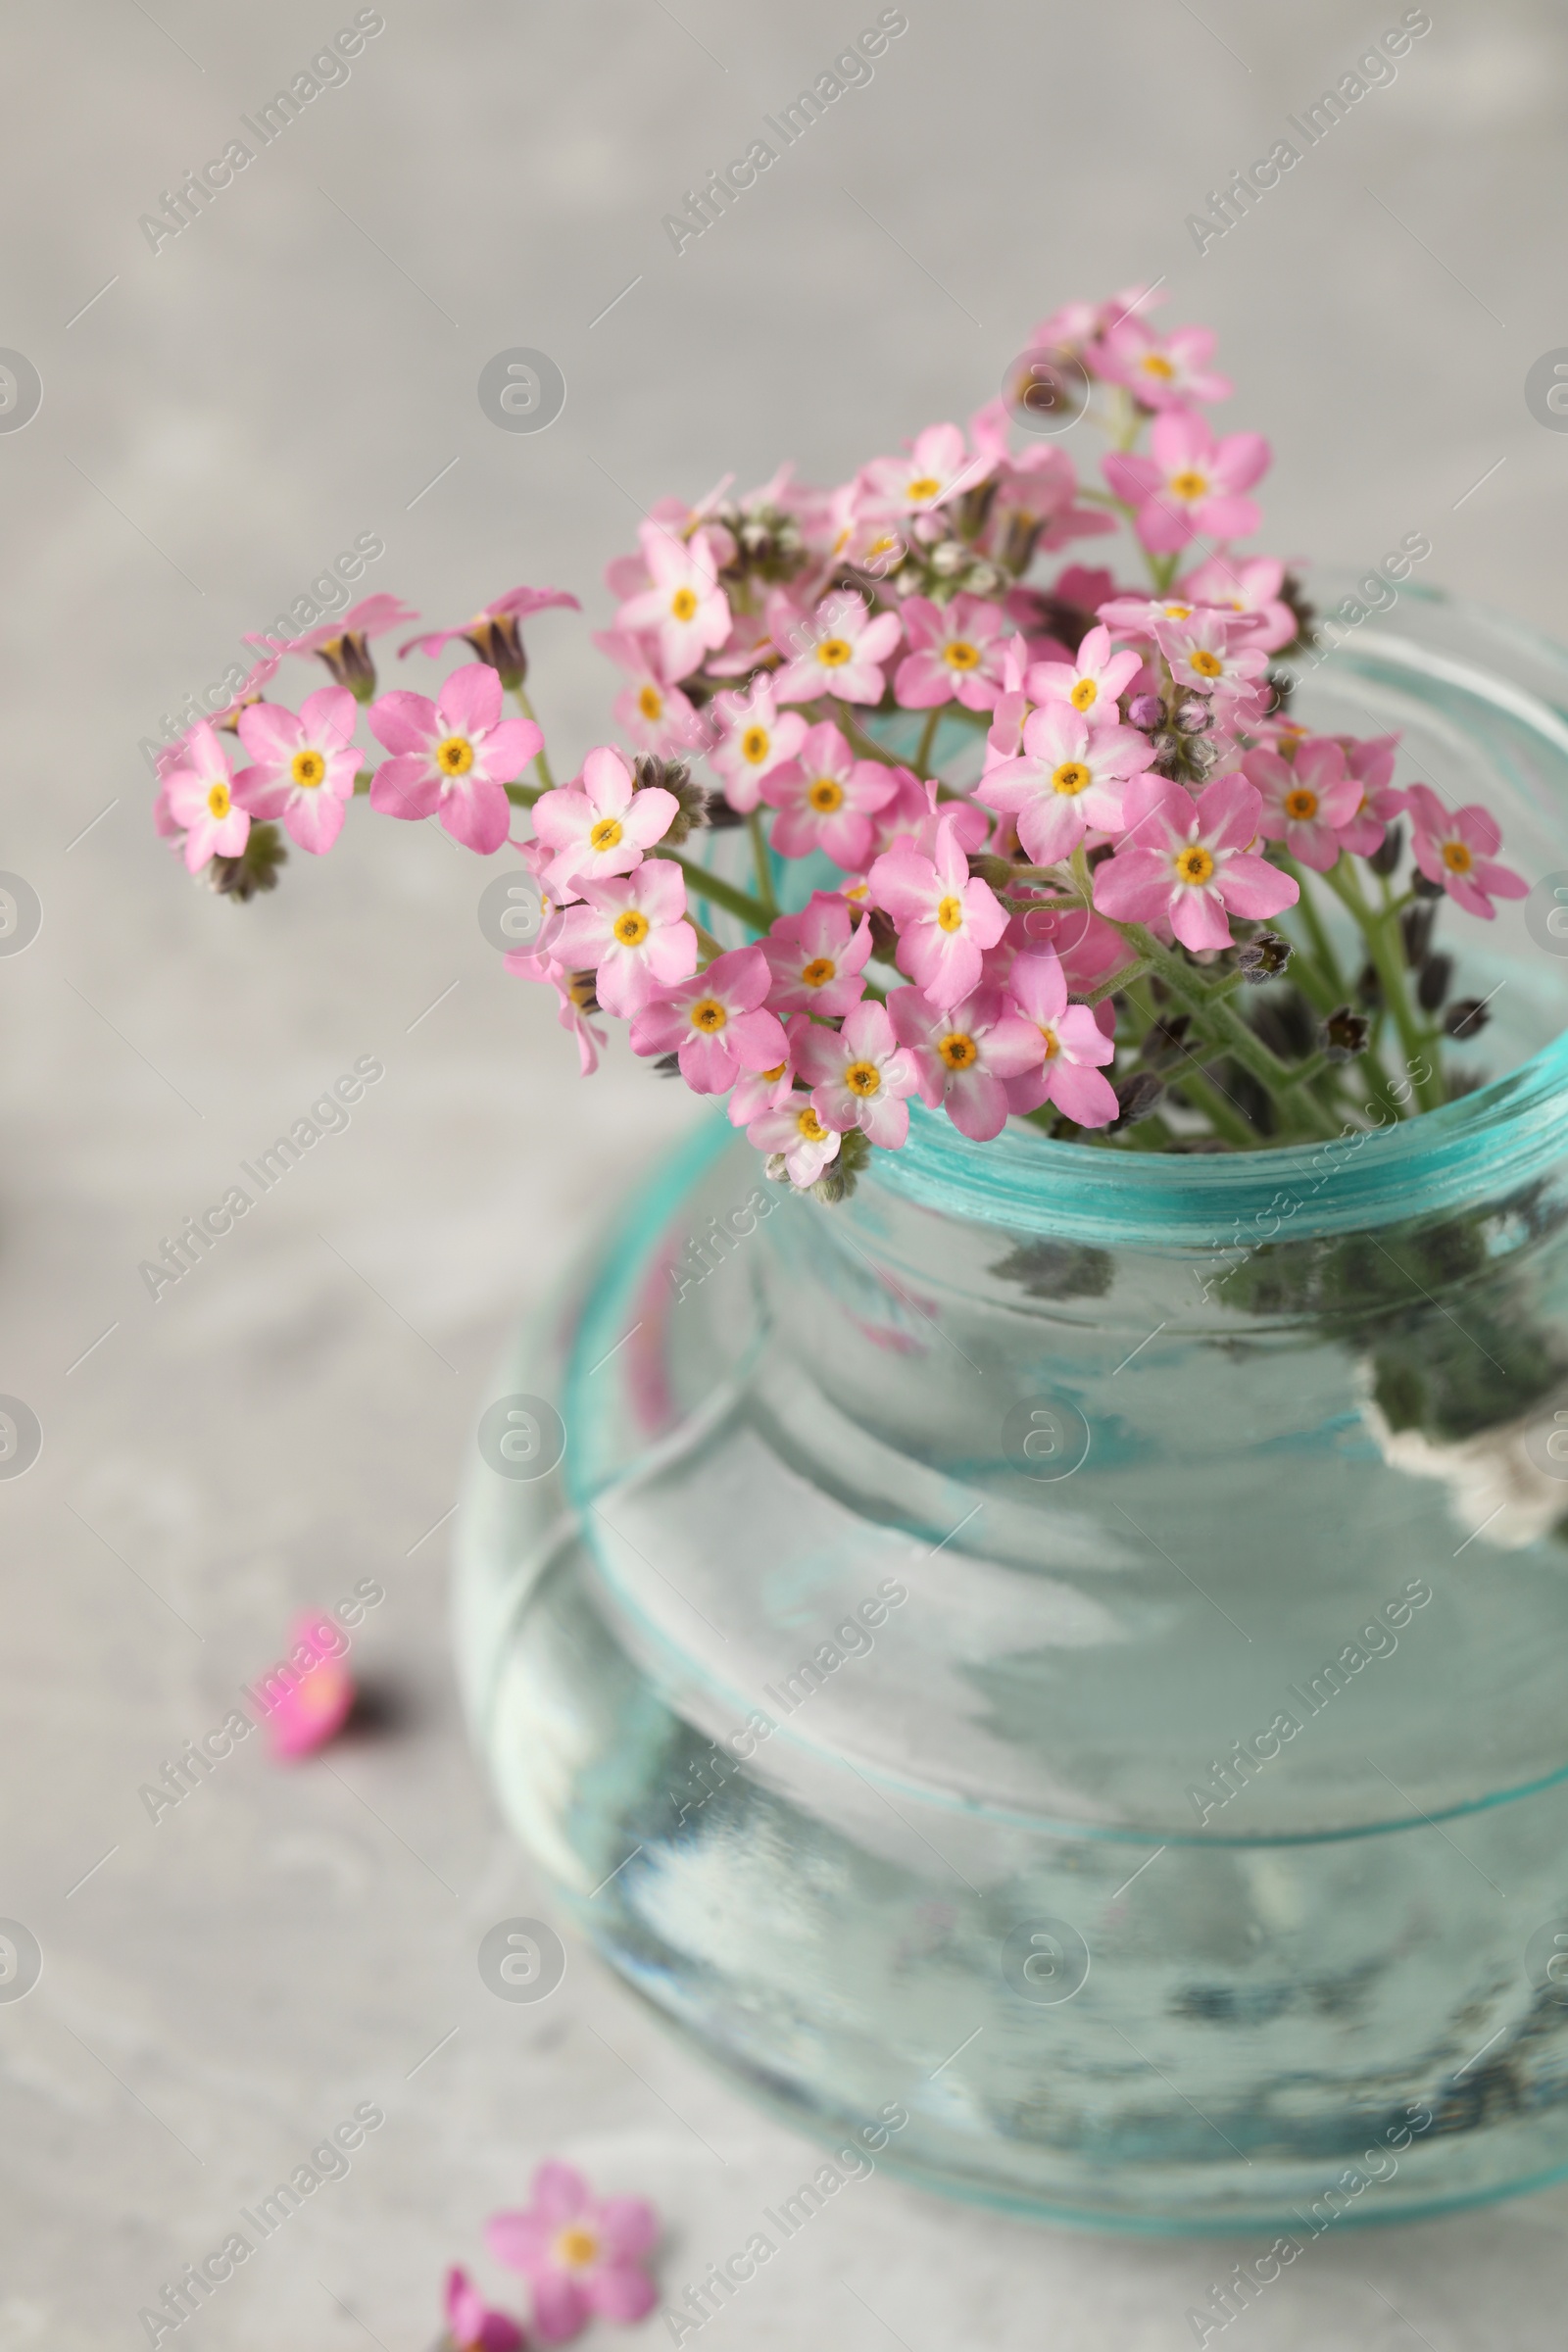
{"x":1071,"y":1649}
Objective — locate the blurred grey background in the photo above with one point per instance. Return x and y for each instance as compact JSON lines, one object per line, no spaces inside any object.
{"x":296,"y":368}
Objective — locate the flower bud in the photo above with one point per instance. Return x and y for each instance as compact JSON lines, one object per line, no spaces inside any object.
{"x":1467,"y":1018}
{"x":1433,"y":985}
{"x":1415,"y":931}
{"x":1344,"y":1034}
{"x":884,"y":934}
{"x":1263,"y":959}
{"x":837,"y":1179}
{"x":652,"y":774}
{"x":1147,"y":712}
{"x":1019,"y":542}
{"x":493,"y":638}
{"x":1136,"y":1098}
{"x":254,"y":868}
{"x":348,"y":658}
{"x":1386,"y":856}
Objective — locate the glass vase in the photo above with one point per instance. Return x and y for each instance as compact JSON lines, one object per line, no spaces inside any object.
{"x":1071,"y":1648}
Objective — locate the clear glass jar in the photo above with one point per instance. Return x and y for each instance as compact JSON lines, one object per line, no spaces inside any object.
{"x":1073,"y":1647}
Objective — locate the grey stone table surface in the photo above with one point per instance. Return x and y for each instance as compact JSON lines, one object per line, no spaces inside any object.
{"x":221,"y":415}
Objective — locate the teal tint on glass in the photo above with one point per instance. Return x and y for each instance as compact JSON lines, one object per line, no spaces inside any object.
{"x":1073,"y":1647}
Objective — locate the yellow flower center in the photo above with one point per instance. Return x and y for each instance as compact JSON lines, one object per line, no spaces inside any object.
{"x":1178,"y":612}
{"x":950,"y":914}
{"x":962,"y":655}
{"x":818,"y":972}
{"x":1071,"y":777}
{"x":1154,"y":364}
{"x":754,"y":745}
{"x":924,"y":485}
{"x":810,"y":1126}
{"x":577,"y":2248}
{"x":1193,"y":864}
{"x":862,"y":1078}
{"x":683,"y":604}
{"x":1190,"y":484}
{"x":959,"y":1052}
{"x":1207,"y":664}
{"x":218,"y":800}
{"x":825,"y":795}
{"x":833,"y":652}
{"x":631,"y":928}
{"x":1053,"y":1042}
{"x":605,"y":834}
{"x":771,"y":1077}
{"x":454,"y":757}
{"x":651,"y":703}
{"x":709,"y":1015}
{"x":307,"y":770}
{"x":1085,"y":694}
{"x":1456,"y":858}
{"x":1301,"y":802}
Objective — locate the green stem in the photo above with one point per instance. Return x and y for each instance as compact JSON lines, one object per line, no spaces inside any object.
{"x":759,"y":858}
{"x":1142,"y":1002}
{"x":1227,"y":1027}
{"x":1307,"y":1071}
{"x":928,"y":736}
{"x":1116,"y":984}
{"x":1320,"y":994}
{"x":1387,"y":958}
{"x":1312,"y":924}
{"x":1130,"y":423}
{"x":547,"y":781}
{"x":1318,"y":975}
{"x":858,"y":736}
{"x":1216,"y":1106}
{"x":721,"y":893}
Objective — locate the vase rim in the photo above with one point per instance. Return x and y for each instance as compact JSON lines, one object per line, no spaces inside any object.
{"x":1492,"y":1142}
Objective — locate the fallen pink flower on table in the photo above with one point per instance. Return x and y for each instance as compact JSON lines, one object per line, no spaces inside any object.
{"x":472,"y":2325}
{"x":583,"y":2254}
{"x":317,"y":1704}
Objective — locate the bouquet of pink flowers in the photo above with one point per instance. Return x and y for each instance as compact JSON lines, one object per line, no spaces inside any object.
{"x":1024,"y":842}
